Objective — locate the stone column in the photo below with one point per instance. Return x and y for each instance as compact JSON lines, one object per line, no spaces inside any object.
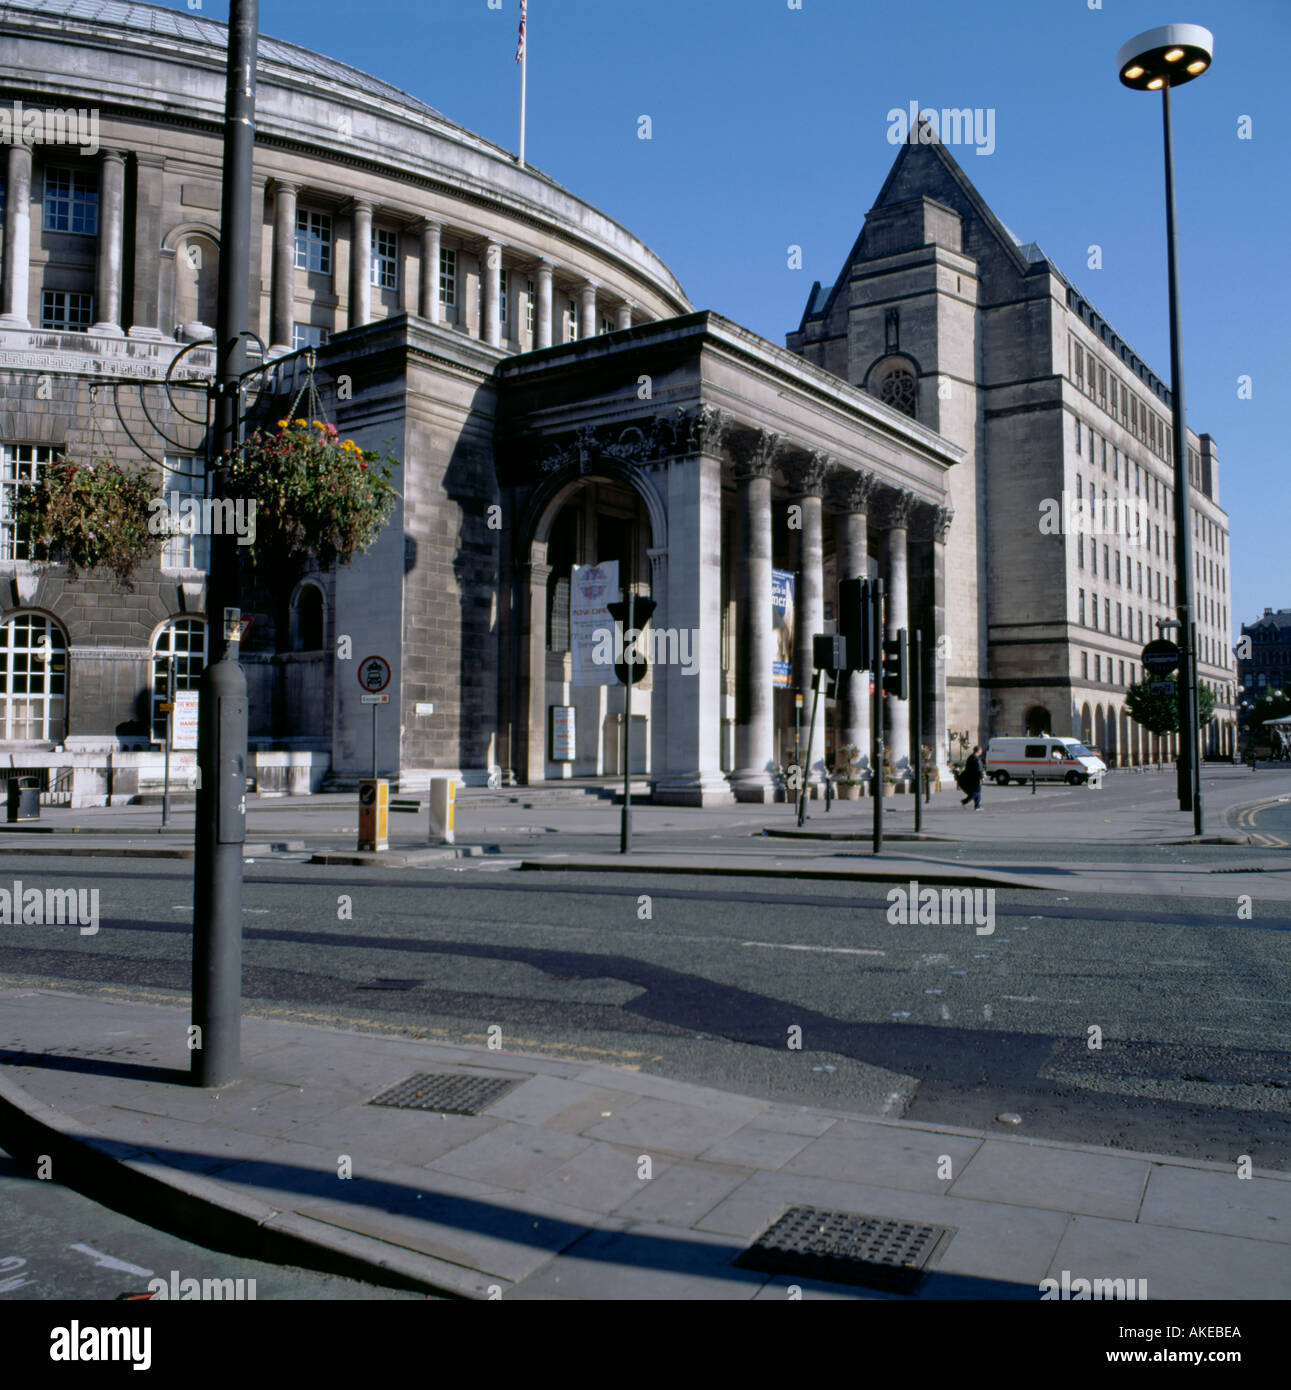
{"x":692,"y":773}
{"x":937,"y":697}
{"x":808,"y":477}
{"x":587,"y":325}
{"x":491,"y":271}
{"x":107,"y":280}
{"x":533,"y":577}
{"x":283,"y":299}
{"x":15,"y":286}
{"x":896,"y":572}
{"x":623,"y":315}
{"x":753,"y":778}
{"x":853,"y":494}
{"x":428,"y":286}
{"x":543,"y":324}
{"x":145,"y":315}
{"x":360,"y":262}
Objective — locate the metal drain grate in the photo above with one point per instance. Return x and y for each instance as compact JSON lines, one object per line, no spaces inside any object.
{"x":844,"y":1248}
{"x":445,"y":1092}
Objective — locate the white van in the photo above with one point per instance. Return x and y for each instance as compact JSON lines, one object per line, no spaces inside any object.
{"x":1051,"y":759}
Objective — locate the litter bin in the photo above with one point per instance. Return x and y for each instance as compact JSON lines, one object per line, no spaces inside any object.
{"x":23,"y":798}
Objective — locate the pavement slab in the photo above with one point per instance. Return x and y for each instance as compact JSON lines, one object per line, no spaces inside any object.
{"x":544,"y":1195}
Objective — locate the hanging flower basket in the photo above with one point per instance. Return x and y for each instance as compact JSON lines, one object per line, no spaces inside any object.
{"x":315,"y":494}
{"x":89,"y":517}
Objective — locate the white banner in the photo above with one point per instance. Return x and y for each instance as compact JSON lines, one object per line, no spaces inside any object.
{"x":591,"y":587}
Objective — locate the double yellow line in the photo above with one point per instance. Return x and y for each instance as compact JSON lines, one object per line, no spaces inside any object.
{"x":1246,"y":820}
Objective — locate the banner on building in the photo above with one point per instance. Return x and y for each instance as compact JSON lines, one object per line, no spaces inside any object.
{"x":782,"y":626}
{"x":591,"y":588}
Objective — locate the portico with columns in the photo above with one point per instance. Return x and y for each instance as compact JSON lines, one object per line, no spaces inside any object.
{"x":731,"y":479}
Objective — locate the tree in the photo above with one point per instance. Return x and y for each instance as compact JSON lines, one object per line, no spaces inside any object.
{"x":1159,"y":714}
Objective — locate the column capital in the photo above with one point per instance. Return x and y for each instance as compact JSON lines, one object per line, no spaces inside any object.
{"x":754,"y":452}
{"x":896,"y":508}
{"x":358,"y":205}
{"x":808,"y":471}
{"x":284,"y":186}
{"x":702,"y":431}
{"x":853,"y":490}
{"x":426,"y":224}
{"x":116,"y":156}
{"x":932,"y":522}
{"x":544,"y":267}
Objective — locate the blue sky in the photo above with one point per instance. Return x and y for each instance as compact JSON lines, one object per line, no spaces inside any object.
{"x":770,"y":129}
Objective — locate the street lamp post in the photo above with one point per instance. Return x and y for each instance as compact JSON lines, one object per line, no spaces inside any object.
{"x":1157,"y":60}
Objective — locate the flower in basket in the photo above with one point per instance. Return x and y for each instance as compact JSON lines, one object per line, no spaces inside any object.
{"x":315,"y":494}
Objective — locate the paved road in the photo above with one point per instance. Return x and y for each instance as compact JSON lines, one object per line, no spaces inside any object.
{"x":54,"y":1243}
{"x":704,"y":980}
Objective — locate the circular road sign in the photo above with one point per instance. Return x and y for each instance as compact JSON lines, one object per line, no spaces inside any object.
{"x":1160,"y":657}
{"x":374,"y":673}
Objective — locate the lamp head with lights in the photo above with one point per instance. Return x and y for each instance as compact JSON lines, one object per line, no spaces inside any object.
{"x":1165,"y":57}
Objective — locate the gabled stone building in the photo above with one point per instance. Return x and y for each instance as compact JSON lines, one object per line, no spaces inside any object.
{"x":940,"y":311}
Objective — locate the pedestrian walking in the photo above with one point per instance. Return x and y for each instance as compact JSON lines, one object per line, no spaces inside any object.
{"x":972,"y":777}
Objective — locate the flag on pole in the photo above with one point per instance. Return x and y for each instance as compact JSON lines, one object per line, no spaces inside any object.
{"x":524,"y":4}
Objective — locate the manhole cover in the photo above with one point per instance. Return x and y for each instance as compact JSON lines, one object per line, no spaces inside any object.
{"x":845,"y":1248}
{"x":445,"y":1092}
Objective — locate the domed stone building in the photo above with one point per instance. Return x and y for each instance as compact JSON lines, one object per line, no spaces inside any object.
{"x":555,"y":400}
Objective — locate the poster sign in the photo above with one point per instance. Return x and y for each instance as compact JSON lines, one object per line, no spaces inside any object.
{"x":184,"y":720}
{"x":563,"y":731}
{"x":591,"y":588}
{"x":782,"y":627}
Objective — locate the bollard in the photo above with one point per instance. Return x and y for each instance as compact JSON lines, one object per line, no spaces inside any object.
{"x":374,"y":813}
{"x":443,"y":798}
{"x":1033,"y":781}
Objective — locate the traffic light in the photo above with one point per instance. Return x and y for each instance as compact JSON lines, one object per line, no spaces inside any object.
{"x":859,"y":602}
{"x":829,"y":652}
{"x":642,"y":610}
{"x":896,"y":666}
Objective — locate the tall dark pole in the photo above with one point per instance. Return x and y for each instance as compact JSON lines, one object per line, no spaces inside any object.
{"x":1189,"y":779}
{"x":876,"y":712}
{"x":917,"y":691}
{"x":625,"y":825}
{"x":222,"y":709}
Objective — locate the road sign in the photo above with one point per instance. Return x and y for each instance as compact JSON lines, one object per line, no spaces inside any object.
{"x":374,"y":673}
{"x":1161,"y":687}
{"x":374,"y":699}
{"x":1160,"y":657}
{"x":184,"y":720}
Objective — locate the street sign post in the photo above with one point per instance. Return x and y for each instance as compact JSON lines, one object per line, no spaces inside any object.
{"x":1161,"y":687}
{"x":1160,"y":657}
{"x":374,"y":676}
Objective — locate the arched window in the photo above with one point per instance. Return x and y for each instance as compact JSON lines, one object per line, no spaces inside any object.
{"x":897,"y":389}
{"x":184,"y":641}
{"x":33,"y":679}
{"x":1038,"y":721}
{"x":309,"y":619}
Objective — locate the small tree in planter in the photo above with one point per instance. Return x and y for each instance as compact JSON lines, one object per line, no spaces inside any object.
{"x":847,"y":764}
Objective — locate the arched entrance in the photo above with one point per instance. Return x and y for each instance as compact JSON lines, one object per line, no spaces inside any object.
{"x":1100,"y":732}
{"x":1038,"y":721}
{"x":593,"y":535}
{"x":1086,"y":725}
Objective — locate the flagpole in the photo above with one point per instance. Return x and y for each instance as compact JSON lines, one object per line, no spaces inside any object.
{"x":524,"y":69}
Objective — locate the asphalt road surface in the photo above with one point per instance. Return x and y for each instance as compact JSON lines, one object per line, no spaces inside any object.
{"x":705,"y":980}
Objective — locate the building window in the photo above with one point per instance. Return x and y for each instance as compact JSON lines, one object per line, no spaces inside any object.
{"x":184,"y":639}
{"x":1084,"y":666}
{"x":607,"y":326}
{"x":1107,"y":615}
{"x":384,"y":261}
{"x":1080,"y":549}
{"x":1082,"y":608}
{"x":1102,"y":386}
{"x":305,"y":335}
{"x":313,"y":241}
{"x":1140,"y":569}
{"x":1077,"y":432}
{"x":307,"y":620}
{"x":1107,"y":568}
{"x":898,"y":391}
{"x":1120,"y":678}
{"x":1119,"y":631}
{"x":448,"y":278}
{"x":67,"y":311}
{"x":19,"y":464}
{"x":185,"y":550}
{"x":71,"y":201}
{"x":571,"y":316}
{"x":1098,"y":667}
{"x":33,"y":679}
{"x":1103,"y":445}
{"x":1080,"y":368}
{"x":504,"y":295}
{"x":528,"y":307}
